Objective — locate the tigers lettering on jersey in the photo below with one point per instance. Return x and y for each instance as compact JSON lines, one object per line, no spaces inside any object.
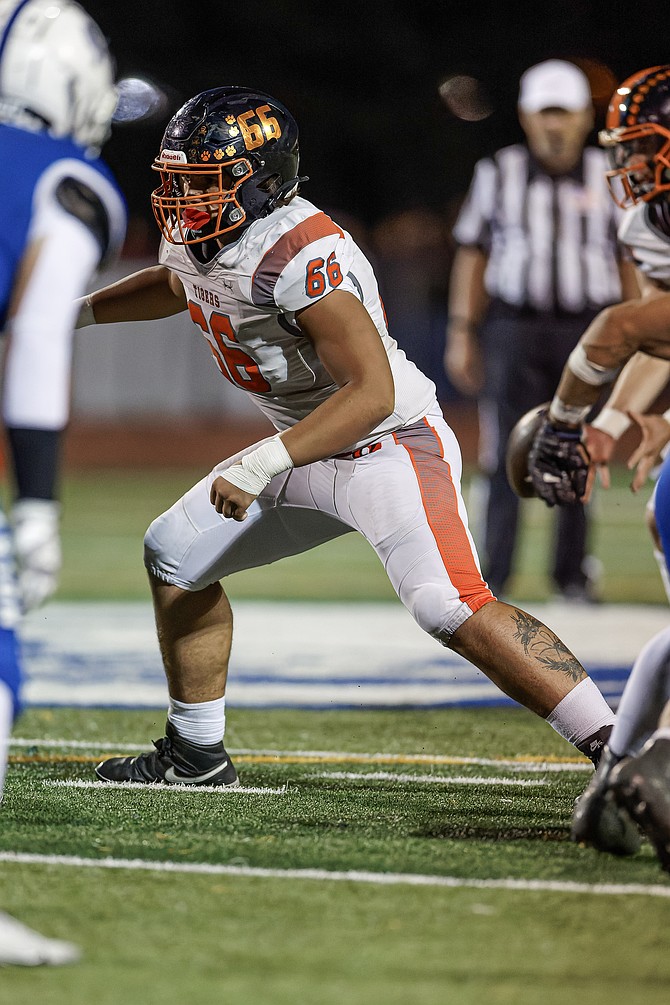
{"x":206,"y":296}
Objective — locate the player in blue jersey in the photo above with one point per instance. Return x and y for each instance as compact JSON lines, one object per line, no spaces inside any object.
{"x":63,"y":216}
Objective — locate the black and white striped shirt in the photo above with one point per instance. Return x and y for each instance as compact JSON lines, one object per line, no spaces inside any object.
{"x":551,"y":241}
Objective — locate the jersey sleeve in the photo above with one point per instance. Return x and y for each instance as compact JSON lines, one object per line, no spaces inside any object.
{"x":78,"y":220}
{"x":61,"y":256}
{"x":307,"y":263}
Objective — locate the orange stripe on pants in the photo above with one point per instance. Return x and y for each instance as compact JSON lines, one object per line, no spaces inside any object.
{"x":440,"y":502}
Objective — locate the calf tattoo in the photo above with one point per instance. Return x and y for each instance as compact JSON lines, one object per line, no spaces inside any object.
{"x":541,"y":643}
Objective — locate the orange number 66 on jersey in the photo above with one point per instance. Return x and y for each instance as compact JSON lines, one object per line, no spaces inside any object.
{"x":316,"y":282}
{"x":235,"y":364}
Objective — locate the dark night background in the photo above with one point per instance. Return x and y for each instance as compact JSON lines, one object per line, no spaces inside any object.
{"x":384,"y":154}
{"x":362,"y":80}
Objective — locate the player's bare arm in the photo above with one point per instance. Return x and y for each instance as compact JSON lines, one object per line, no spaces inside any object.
{"x":559,"y":460}
{"x":350,"y":348}
{"x":613,"y":337}
{"x":637,"y":387}
{"x":468,"y":301}
{"x":152,"y":293}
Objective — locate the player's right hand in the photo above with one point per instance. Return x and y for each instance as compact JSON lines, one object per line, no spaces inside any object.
{"x":464,"y":367}
{"x":230,"y":501}
{"x":558,"y":464}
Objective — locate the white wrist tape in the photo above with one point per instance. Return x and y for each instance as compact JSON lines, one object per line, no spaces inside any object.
{"x":86,"y":316}
{"x":581,"y":366}
{"x":612,"y":421}
{"x":256,"y":469}
{"x":572,"y":414}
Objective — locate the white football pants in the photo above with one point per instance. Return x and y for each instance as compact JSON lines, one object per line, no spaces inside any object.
{"x":402,"y":493}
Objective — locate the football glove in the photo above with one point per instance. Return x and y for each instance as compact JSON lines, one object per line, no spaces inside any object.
{"x":558,"y":464}
{"x":35,"y":523}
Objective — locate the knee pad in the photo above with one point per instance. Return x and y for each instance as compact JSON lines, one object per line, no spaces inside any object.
{"x":439,"y":610}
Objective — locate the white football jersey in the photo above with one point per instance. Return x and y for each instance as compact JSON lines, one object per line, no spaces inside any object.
{"x":648,"y":243}
{"x":245,"y":299}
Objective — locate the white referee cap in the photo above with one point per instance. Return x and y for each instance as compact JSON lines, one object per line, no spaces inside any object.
{"x":554,"y":84}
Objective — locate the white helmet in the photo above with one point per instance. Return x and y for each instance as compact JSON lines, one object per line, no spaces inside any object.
{"x":55,"y":66}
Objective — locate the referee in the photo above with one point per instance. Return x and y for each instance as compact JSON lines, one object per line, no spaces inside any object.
{"x":537,"y":258}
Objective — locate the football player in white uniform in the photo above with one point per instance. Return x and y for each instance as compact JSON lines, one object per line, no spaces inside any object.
{"x":63,"y":214}
{"x":633,"y":778}
{"x":291,"y":311}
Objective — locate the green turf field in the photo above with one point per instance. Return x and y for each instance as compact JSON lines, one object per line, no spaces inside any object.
{"x":106,"y":513}
{"x":273,"y":896}
{"x":488,"y":913}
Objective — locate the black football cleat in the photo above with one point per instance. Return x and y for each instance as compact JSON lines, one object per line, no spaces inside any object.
{"x":641,"y":785}
{"x":598,"y":820}
{"x":175,"y":761}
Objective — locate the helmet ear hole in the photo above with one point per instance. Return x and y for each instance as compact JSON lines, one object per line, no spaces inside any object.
{"x":271,"y":184}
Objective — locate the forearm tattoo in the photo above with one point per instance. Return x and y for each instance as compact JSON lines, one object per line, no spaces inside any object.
{"x":541,"y":643}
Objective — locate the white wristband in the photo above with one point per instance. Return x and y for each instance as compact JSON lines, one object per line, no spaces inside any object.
{"x":572,"y":414}
{"x":612,"y":421}
{"x":85,"y":316}
{"x":591,"y":373}
{"x":256,"y":469}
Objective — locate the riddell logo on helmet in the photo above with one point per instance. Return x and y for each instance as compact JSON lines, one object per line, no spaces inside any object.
{"x":176,"y":156}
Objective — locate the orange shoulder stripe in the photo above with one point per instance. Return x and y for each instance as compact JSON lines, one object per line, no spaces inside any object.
{"x":275,"y":260}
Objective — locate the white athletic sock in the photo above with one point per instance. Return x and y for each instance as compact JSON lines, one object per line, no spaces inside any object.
{"x":581,"y":713}
{"x":6,"y":720}
{"x":662,"y":734}
{"x":201,"y":722}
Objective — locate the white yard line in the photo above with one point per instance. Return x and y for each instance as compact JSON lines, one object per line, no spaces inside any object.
{"x":350,"y":876}
{"x":220,"y":790}
{"x":390,"y":776}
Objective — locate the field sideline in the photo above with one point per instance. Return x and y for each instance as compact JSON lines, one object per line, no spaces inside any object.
{"x":283,"y":656}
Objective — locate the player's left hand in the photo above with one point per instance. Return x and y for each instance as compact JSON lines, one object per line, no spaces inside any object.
{"x":228,"y":500}
{"x":35,"y":524}
{"x":655,"y":434}
{"x":558,"y":464}
{"x":600,"y":446}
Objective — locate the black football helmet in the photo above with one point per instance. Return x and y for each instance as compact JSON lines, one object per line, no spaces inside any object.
{"x":637,"y":137}
{"x":229,"y":156}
